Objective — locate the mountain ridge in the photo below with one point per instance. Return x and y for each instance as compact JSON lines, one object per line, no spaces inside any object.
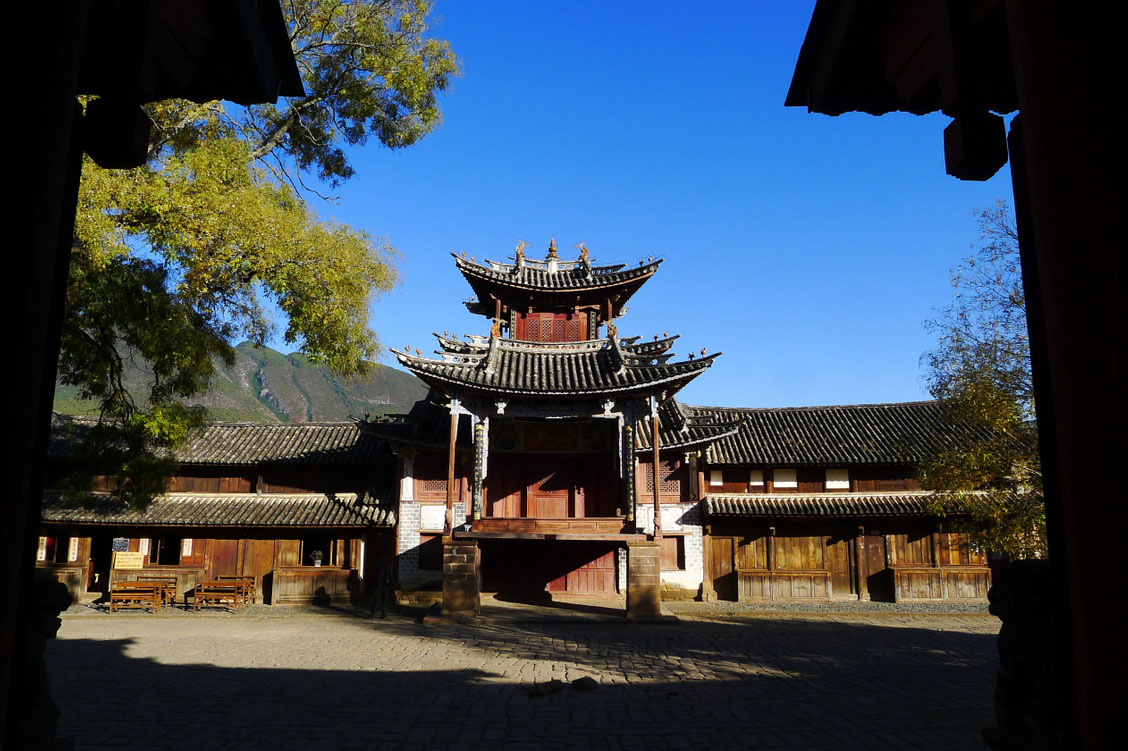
{"x":264,"y":385}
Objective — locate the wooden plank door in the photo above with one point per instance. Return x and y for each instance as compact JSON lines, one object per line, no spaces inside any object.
{"x":550,"y":490}
{"x":838,"y":562}
{"x":257,"y":560}
{"x":222,"y":558}
{"x":724,"y":568}
{"x":879,"y":579}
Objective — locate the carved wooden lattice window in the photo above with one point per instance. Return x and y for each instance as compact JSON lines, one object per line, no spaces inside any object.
{"x":669,"y":479}
{"x":433,"y":486}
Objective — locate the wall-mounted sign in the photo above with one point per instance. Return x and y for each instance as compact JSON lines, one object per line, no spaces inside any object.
{"x":124,"y":560}
{"x":120,"y":544}
{"x":186,"y":548}
{"x":72,"y":554}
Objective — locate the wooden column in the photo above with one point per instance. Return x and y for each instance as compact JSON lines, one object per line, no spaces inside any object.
{"x":481,"y":435}
{"x":860,"y":562}
{"x":654,"y":473}
{"x":629,"y":473}
{"x":448,"y":518}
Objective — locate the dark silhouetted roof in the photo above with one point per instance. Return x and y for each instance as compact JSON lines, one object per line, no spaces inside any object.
{"x":257,"y":443}
{"x":225,"y":510}
{"x":820,"y":504}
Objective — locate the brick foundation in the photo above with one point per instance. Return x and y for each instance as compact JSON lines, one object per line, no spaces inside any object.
{"x":644,"y":583}
{"x":462,"y":579}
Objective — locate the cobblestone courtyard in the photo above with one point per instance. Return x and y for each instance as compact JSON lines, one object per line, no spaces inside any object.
{"x":337,"y":681}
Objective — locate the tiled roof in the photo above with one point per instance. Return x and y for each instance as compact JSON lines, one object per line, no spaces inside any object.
{"x":857,"y":434}
{"x":816,"y":504}
{"x":427,"y":424}
{"x":570,"y":276}
{"x":337,"y":443}
{"x":454,"y":349}
{"x":677,"y":429}
{"x":588,"y":368}
{"x":224,"y":510}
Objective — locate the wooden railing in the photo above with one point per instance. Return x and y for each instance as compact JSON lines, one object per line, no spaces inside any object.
{"x":947,"y":582}
{"x":759,"y":584}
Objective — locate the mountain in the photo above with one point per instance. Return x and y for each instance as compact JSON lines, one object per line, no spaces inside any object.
{"x":267,"y":386}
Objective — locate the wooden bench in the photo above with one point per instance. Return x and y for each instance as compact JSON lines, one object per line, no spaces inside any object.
{"x":219,"y":594}
{"x":168,"y":586}
{"x":135,"y":594}
{"x":247,"y":582}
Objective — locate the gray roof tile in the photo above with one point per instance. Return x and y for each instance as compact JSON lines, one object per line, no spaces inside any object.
{"x":815,"y":504}
{"x":225,"y":510}
{"x":856,"y":434}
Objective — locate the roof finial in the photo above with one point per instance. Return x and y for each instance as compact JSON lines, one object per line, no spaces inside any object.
{"x":612,"y":330}
{"x":702,"y":351}
{"x":519,"y":253}
{"x":495,"y":330}
{"x":583,"y":251}
{"x":551,"y":249}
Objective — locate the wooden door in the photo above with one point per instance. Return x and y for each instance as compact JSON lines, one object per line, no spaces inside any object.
{"x":550,"y":490}
{"x":723,"y":567}
{"x":504,"y":487}
{"x":838,"y":557}
{"x":257,"y":560}
{"x":589,"y":569}
{"x":879,"y":579}
{"x":222,"y":558}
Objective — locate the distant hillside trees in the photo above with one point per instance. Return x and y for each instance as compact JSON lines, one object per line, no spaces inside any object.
{"x":176,"y":259}
{"x":989,"y":483}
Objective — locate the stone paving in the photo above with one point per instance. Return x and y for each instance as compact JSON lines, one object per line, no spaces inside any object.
{"x":334,"y":680}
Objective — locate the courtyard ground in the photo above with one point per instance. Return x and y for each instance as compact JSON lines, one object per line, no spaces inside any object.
{"x":708,"y":677}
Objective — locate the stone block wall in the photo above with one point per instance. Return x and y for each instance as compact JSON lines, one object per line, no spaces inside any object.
{"x":684,"y":519}
{"x":644,"y":581}
{"x":462,"y":581}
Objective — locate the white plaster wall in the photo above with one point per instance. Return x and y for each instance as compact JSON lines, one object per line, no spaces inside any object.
{"x":679,"y":517}
{"x":432,"y":516}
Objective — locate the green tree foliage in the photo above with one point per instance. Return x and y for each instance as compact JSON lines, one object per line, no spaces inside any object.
{"x":174,"y":260}
{"x":988,"y":482}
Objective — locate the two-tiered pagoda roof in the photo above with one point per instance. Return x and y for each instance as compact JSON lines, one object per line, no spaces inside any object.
{"x":601,"y":367}
{"x":551,"y":282}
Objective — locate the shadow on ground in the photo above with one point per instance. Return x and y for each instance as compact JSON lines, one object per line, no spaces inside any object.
{"x":762,"y":683}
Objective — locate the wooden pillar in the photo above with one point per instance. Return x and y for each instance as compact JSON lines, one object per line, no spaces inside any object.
{"x":481,"y":435}
{"x":448,"y":517}
{"x":769,"y":555}
{"x":860,"y":562}
{"x":629,"y":473}
{"x":708,"y":593}
{"x":656,"y":467}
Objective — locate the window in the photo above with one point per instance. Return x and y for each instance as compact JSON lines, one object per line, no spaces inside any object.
{"x":165,"y":551}
{"x":716,"y":478}
{"x":837,"y":479}
{"x":323,"y":549}
{"x":430,"y":552}
{"x":784,"y":479}
{"x":673,"y":553}
{"x":756,"y":480}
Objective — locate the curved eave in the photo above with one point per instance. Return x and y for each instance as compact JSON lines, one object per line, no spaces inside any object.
{"x":430,"y":371}
{"x":818,"y":505}
{"x":483,"y":279}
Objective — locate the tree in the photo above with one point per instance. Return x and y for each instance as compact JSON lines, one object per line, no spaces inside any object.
{"x":174,"y":260}
{"x":987,"y":481}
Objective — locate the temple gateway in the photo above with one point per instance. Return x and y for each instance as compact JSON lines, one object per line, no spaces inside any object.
{"x":550,"y":455}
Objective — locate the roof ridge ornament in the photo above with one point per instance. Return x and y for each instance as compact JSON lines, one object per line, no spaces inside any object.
{"x":519,"y":254}
{"x":552,"y":259}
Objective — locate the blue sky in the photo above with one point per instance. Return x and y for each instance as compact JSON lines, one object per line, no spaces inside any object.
{"x":808,"y":249}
